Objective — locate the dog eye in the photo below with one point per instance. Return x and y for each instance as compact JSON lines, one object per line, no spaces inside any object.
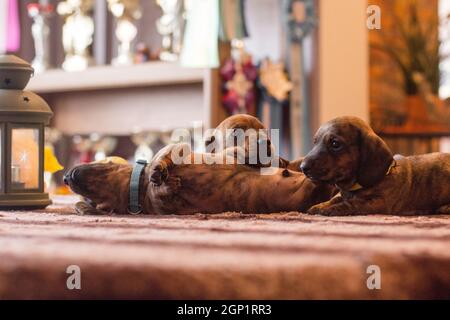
{"x":335,"y":145}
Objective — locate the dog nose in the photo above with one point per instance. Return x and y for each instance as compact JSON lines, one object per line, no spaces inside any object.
{"x":70,"y":176}
{"x":66,"y":179}
{"x":305,"y":167}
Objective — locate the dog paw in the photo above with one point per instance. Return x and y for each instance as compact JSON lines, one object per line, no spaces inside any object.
{"x":314,"y":211}
{"x":83,"y":208}
{"x":163,"y":161}
{"x":319,"y":210}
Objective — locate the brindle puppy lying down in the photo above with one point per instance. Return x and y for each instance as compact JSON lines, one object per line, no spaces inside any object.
{"x":348,"y":154}
{"x":166,"y":188}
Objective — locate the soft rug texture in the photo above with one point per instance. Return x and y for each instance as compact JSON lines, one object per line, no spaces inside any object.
{"x":225,"y":256}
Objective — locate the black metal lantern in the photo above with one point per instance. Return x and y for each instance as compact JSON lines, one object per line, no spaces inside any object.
{"x":23,"y":116}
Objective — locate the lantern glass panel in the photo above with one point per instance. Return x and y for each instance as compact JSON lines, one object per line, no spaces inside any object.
{"x":25,"y":158}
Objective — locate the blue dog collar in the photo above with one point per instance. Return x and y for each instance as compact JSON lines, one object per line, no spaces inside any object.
{"x":133,"y":203}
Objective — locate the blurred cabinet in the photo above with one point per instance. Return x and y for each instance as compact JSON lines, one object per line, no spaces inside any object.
{"x":413,"y":144}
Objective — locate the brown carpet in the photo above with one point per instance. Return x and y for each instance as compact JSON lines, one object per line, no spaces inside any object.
{"x":279,"y":256}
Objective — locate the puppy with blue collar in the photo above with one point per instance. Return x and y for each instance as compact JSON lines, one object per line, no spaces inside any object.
{"x":165,"y":187}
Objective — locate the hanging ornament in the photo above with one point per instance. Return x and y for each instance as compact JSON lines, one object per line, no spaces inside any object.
{"x":239,"y":75}
{"x":274,"y":88}
{"x":274,"y":79}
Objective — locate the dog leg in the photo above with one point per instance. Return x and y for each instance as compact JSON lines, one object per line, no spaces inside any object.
{"x":341,"y":207}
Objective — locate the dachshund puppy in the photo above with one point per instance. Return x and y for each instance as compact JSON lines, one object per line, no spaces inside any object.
{"x":348,"y":154}
{"x":169,"y":188}
{"x":243,"y":130}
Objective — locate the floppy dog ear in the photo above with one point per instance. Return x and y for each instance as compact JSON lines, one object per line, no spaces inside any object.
{"x":375,"y":157}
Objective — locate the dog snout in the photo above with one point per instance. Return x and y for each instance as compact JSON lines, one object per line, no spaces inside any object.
{"x":71,"y":176}
{"x":66,"y":179}
{"x":310,"y":167}
{"x":306,"y":167}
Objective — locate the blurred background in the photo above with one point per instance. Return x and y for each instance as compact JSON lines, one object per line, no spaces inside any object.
{"x":121,"y":75}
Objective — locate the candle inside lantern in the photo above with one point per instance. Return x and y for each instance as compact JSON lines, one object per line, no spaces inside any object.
{"x":25,"y":158}
{"x":15,"y":174}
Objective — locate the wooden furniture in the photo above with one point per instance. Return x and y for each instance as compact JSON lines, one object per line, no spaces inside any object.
{"x":156,"y":73}
{"x":116,"y":100}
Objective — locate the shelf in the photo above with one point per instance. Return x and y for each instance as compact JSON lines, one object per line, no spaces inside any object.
{"x":111,"y":77}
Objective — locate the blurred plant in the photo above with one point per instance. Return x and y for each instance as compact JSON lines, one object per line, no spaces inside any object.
{"x":414,"y":47}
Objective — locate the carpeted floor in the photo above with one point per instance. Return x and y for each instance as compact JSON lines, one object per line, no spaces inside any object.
{"x":279,"y":256}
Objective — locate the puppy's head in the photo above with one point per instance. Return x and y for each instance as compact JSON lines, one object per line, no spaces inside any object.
{"x":224,"y":132}
{"x":244,"y":131}
{"x":346,"y":151}
{"x":106,"y":185}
